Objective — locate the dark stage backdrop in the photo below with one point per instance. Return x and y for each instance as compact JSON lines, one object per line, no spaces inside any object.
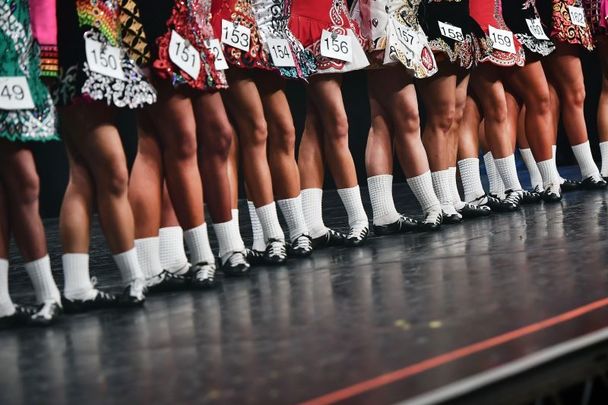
{"x":53,"y":169}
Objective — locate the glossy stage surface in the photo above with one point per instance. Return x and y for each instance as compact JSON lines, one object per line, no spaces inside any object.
{"x":396,"y":319}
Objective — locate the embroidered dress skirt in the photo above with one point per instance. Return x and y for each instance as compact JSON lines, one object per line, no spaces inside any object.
{"x":524,"y":21}
{"x":557,"y":14}
{"x":308,"y":20}
{"x":20,"y":57}
{"x":595,"y":11}
{"x":451,"y":30}
{"x":98,"y":23}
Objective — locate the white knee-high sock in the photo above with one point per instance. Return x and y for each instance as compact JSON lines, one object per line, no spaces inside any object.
{"x":471,"y":179}
{"x":604,"y":152}
{"x":128,"y":264}
{"x":381,"y":196}
{"x":294,"y":216}
{"x":197,"y":240}
{"x":554,"y":152}
{"x":7,"y":307}
{"x":148,"y":255}
{"x":496,"y":185}
{"x":536,"y":179}
{"x":443,"y":190}
{"x":235,"y":218}
{"x":229,"y":237}
{"x":351,"y":198}
{"x":270,"y":222}
{"x":172,"y":253}
{"x":77,"y":281}
{"x":508,"y":172}
{"x":457,"y":201}
{"x":582,"y":153}
{"x":549,"y":172}
{"x":259,"y":242}
{"x":42,"y":279}
{"x":422,"y":187}
{"x":312,"y":205}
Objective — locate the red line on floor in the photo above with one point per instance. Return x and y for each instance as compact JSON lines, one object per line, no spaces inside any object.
{"x":409,"y":371}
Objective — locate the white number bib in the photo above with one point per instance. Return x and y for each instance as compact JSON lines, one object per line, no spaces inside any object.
{"x":104,"y":59}
{"x":280,"y":52}
{"x":451,"y":31}
{"x":236,"y":36}
{"x":502,"y":40}
{"x":184,"y":55}
{"x":577,"y":15}
{"x":536,"y":28}
{"x":15,"y":93}
{"x":216,"y":48}
{"x":336,"y":46}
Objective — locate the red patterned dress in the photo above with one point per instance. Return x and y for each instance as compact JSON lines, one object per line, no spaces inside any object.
{"x":557,"y":15}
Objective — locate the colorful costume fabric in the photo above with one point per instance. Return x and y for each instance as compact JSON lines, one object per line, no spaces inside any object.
{"x":557,"y":14}
{"x":523,"y":19}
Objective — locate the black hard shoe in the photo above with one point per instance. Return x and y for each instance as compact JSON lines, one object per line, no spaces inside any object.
{"x":235,"y":265}
{"x":487,"y":200}
{"x":102,"y":300}
{"x":531,"y":197}
{"x":402,"y":225}
{"x":469,"y":210}
{"x":301,"y":246}
{"x":202,"y":276}
{"x":46,"y":314}
{"x":165,"y":282}
{"x":357,"y":236}
{"x":552,"y":193}
{"x":255,"y":257}
{"x":21,"y":317}
{"x":570,"y":185}
{"x":276,"y":252}
{"x":512,"y":200}
{"x":134,"y":295}
{"x":331,"y":238}
{"x":452,"y":219}
{"x":432,"y":221}
{"x":593,"y":183}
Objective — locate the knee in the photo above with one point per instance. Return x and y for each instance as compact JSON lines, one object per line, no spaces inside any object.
{"x":541,"y":103}
{"x":442,"y":118}
{"x":182,"y":144}
{"x":496,"y":111}
{"x":114,"y":180}
{"x":27,"y":187}
{"x":576,"y":95}
{"x":409,"y":122}
{"x":257,"y":134}
{"x":337,"y":134}
{"x":217,"y":140}
{"x":283,"y":139}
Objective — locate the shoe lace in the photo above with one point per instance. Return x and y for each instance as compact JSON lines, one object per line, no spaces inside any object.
{"x":206,"y":272}
{"x":236,"y":259}
{"x":358,"y":231}
{"x":302,"y":242}
{"x":138,"y":288}
{"x":433,"y":217}
{"x":513,"y":197}
{"x":276,"y":248}
{"x":45,"y":310}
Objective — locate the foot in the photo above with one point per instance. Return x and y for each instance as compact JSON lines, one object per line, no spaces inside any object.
{"x":255,"y":257}
{"x":46,"y":314}
{"x":276,"y":252}
{"x":530,"y":197}
{"x":165,"y":282}
{"x":357,"y":235}
{"x":487,"y":200}
{"x":512,"y":200}
{"x":301,"y":246}
{"x":401,"y":225}
{"x":21,"y":317}
{"x":101,"y":299}
{"x":134,"y":295}
{"x":570,"y":185}
{"x":331,"y":238}
{"x":432,"y":220}
{"x":235,"y":264}
{"x":595,"y":182}
{"x":469,"y":210}
{"x":552,"y":193}
{"x":202,"y":276}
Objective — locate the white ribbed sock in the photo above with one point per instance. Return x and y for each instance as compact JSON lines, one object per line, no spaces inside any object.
{"x":148,"y":255}
{"x":77,"y":281}
{"x":496,"y":185}
{"x":554,"y":153}
{"x":443,"y":190}
{"x":42,"y":279}
{"x":312,"y":205}
{"x":508,"y":172}
{"x":351,"y":198}
{"x":548,"y":172}
{"x":6,"y":304}
{"x":535,"y":177}
{"x":294,"y":216}
{"x":197,"y":240}
{"x":471,"y":179}
{"x":172,"y":253}
{"x":422,"y":187}
{"x":582,"y":153}
{"x":604,"y":152}
{"x":235,"y":218}
{"x":228,"y":237}
{"x":381,"y":195}
{"x":128,"y":264}
{"x":456,"y":200}
{"x":270,"y":222}
{"x":259,"y":243}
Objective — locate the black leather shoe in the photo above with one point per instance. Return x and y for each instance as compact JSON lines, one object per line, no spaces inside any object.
{"x":552,"y":194}
{"x":331,"y":238}
{"x":474,"y":211}
{"x":21,"y":317}
{"x":165,"y":282}
{"x":46,"y":314}
{"x":235,"y":265}
{"x":570,"y":185}
{"x":402,"y":225}
{"x":432,"y":221}
{"x":202,"y":276}
{"x":255,"y":257}
{"x":451,"y":219}
{"x":134,"y":295}
{"x":487,"y":200}
{"x":530,"y":197}
{"x":301,"y":246}
{"x":276,"y":252}
{"x":512,"y":200}
{"x":101,"y":300}
{"x":357,"y":236}
{"x":593,"y":183}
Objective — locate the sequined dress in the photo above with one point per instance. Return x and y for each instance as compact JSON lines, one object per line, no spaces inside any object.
{"x":522,"y":18}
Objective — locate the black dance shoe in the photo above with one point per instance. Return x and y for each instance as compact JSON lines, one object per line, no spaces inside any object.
{"x":255,"y":257}
{"x":570,"y":185}
{"x":21,"y":317}
{"x":452,"y":219}
{"x":402,"y":225}
{"x":531,"y":197}
{"x":301,"y":246}
{"x":235,"y":265}
{"x":166,"y":282}
{"x":469,"y":210}
{"x":276,"y":252}
{"x":331,"y":238}
{"x":102,"y":300}
{"x":593,"y":183}
{"x":202,"y":276}
{"x":46,"y":314}
{"x":134,"y":295}
{"x":487,"y":200}
{"x":552,"y":193}
{"x":432,"y":221}
{"x":357,"y":236}
{"x":512,"y":201}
